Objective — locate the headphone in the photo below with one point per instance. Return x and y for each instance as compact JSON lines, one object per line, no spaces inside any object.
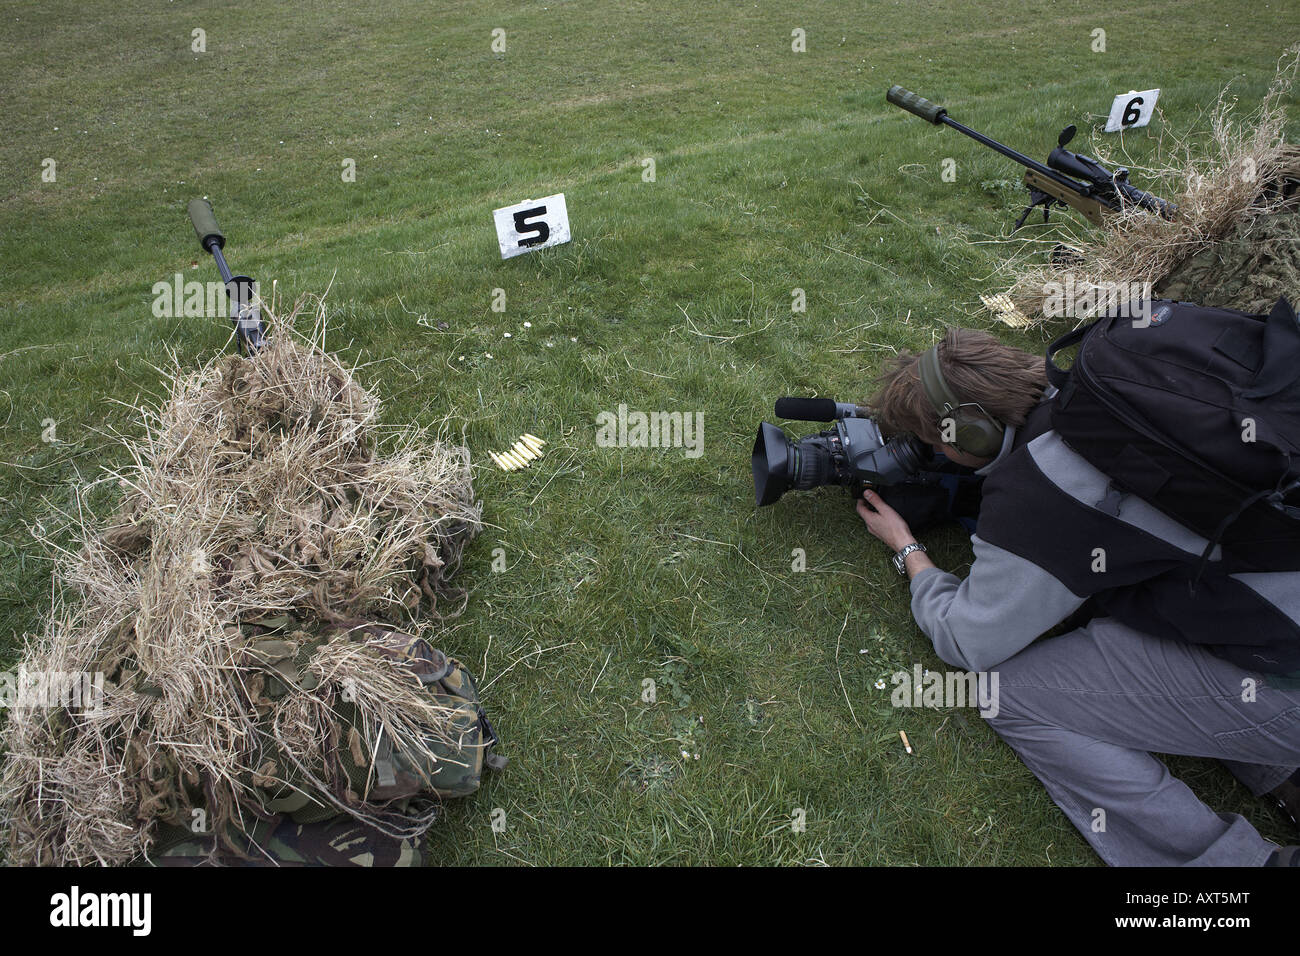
{"x":978,"y":434}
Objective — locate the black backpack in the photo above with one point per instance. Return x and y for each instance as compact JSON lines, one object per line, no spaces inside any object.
{"x":1197,"y":412}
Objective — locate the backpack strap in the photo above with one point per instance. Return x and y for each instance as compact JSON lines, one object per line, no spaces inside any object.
{"x":491,"y":760}
{"x":1276,"y":497}
{"x":490,"y":739}
{"x":1055,"y":374}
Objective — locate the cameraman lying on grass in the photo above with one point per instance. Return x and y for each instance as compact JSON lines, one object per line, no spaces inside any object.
{"x":1085,"y":710}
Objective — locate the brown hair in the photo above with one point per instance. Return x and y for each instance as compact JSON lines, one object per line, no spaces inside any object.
{"x":1006,"y":382}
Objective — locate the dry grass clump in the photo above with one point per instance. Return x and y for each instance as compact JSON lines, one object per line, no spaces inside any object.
{"x":1223,"y":184}
{"x":259,"y":488}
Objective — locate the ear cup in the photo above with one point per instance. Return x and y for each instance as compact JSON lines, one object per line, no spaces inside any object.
{"x":974,"y":432}
{"x":977,"y":435}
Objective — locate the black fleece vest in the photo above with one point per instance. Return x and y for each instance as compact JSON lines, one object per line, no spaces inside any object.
{"x":1136,"y":576}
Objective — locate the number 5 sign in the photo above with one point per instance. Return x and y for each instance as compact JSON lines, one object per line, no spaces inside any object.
{"x":1131,"y":110}
{"x":530,"y":225}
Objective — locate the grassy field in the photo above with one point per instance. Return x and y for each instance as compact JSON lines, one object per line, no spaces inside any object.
{"x":775,"y":170}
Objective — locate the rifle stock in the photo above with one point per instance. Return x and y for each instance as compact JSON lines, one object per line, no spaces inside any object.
{"x":1092,"y":208}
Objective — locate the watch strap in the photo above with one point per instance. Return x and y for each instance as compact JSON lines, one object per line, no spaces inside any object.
{"x":900,"y":558}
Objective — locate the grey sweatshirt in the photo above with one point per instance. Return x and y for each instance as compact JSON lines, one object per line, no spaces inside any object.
{"x":1046,"y":515}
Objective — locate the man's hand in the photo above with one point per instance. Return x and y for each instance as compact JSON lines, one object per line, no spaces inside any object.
{"x":883,"y":521}
{"x":888,"y":525}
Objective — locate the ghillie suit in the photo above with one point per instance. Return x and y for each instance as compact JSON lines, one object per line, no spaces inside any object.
{"x":251,"y":608}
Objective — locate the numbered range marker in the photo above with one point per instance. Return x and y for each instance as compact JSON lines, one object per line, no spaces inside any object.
{"x":1131,"y":110}
{"x":530,"y":225}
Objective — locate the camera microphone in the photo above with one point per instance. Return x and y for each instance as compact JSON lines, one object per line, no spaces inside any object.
{"x":816,"y":409}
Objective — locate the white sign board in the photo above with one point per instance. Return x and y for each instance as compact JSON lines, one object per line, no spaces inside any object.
{"x":1131,"y":110}
{"x":530,"y":225}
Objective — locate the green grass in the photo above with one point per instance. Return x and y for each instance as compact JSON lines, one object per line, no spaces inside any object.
{"x":623,"y":565}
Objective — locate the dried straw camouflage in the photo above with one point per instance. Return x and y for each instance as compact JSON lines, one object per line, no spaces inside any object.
{"x":260,"y":489}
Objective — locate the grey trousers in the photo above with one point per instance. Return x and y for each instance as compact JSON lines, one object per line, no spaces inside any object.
{"x":1085,"y":711}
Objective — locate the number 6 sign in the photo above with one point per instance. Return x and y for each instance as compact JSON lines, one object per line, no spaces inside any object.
{"x":1131,"y":110}
{"x":530,"y":225}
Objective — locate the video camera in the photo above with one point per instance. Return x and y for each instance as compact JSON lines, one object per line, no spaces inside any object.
{"x":854,"y":453}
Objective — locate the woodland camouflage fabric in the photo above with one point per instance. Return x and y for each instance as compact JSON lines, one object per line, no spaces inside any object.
{"x":284,"y":842}
{"x":1256,"y":263}
{"x":291,"y":827}
{"x":363,"y":766}
{"x":1249,"y":269}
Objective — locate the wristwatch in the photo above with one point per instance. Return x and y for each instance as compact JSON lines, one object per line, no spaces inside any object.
{"x":900,"y":559}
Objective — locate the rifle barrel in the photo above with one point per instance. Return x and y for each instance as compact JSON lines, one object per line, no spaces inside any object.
{"x":240,"y":290}
{"x":226,"y":274}
{"x":1019,"y":157}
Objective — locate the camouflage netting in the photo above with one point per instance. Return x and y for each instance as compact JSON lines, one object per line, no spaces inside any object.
{"x":1234,"y":241}
{"x":262,"y":491}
